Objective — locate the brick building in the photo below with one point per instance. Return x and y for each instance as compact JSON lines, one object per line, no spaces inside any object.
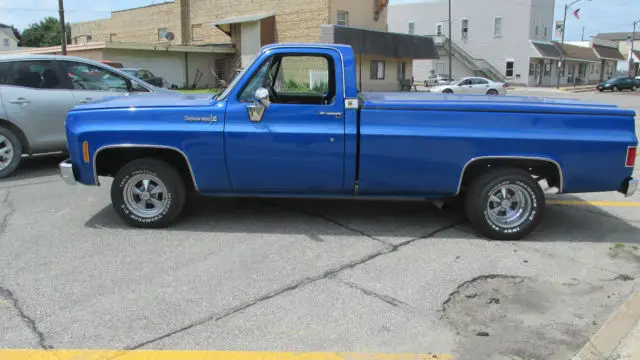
{"x":248,"y":25}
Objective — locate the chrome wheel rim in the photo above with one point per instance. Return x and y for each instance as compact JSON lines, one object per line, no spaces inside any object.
{"x":145,"y":195}
{"x":6,"y":152}
{"x":509,"y":205}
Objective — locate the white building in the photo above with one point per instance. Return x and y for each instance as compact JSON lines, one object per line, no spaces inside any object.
{"x":8,"y":40}
{"x":497,"y":39}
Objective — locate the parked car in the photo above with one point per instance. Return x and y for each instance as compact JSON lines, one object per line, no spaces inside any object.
{"x":472,"y":85}
{"x":258,"y":138}
{"x":618,"y":84}
{"x":33,"y":107}
{"x":146,"y":76}
{"x":438,"y":79}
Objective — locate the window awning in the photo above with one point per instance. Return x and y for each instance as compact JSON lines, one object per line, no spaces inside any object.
{"x":225,"y":24}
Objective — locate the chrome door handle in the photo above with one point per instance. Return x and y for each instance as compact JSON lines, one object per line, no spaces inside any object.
{"x":86,"y":100}
{"x":337,"y":115}
{"x":20,"y":101}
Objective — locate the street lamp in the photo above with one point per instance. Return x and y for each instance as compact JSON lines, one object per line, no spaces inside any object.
{"x":632,"y":68}
{"x":564,"y":29}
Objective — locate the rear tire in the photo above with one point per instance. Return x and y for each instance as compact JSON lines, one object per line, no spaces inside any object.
{"x":10,"y":152}
{"x":492,"y":92}
{"x":505,"y":204}
{"x":148,"y":193}
{"x":447,"y":91}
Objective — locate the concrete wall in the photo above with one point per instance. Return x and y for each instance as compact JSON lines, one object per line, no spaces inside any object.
{"x":249,"y":41}
{"x":169,"y":65}
{"x":391,"y":81}
{"x":481,"y":42}
{"x":422,"y":68}
{"x":138,"y":25}
{"x":541,"y":14}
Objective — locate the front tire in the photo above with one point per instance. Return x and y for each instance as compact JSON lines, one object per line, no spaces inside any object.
{"x":148,"y":193}
{"x":10,"y":152}
{"x":447,"y":91}
{"x":505,"y":204}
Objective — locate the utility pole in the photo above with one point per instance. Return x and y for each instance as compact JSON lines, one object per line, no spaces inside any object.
{"x":564,"y":29}
{"x":450,"y":36}
{"x":63,"y":27}
{"x":633,"y":39}
{"x":582,"y":37}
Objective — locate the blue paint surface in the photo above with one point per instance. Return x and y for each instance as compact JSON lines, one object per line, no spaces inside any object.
{"x":410,"y":144}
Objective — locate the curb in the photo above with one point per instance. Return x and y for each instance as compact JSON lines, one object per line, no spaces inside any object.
{"x":603,"y":344}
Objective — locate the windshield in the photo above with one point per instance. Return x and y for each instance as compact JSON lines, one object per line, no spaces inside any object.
{"x":130,"y":72}
{"x":235,"y":80}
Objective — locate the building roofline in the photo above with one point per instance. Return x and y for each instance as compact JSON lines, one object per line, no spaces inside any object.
{"x":144,"y":6}
{"x":10,"y":33}
{"x":100,"y":45}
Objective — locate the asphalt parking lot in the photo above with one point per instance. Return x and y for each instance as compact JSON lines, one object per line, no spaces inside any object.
{"x":308,"y":275}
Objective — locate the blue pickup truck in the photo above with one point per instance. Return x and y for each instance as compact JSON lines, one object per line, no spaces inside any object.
{"x":272,"y":133}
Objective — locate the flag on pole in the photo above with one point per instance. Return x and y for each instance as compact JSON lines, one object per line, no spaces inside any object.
{"x":559,"y":28}
{"x":576,"y":13}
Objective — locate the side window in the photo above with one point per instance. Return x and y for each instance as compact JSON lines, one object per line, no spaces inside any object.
{"x":89,"y":77}
{"x":40,"y":74}
{"x":480,"y":82}
{"x":258,"y":80}
{"x":303,"y":75}
{"x":4,"y":71}
{"x":146,"y":76}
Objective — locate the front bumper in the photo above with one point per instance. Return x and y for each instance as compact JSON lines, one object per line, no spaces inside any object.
{"x":629,"y":187}
{"x":66,"y":172}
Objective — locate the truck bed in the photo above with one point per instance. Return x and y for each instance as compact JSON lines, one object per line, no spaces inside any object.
{"x":431,"y":138}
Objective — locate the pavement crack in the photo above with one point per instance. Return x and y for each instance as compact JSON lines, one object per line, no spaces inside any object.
{"x":332,"y":221}
{"x":473,"y":280}
{"x":384,"y":298}
{"x":294,"y":286}
{"x":4,"y":221}
{"x":29,"y":322}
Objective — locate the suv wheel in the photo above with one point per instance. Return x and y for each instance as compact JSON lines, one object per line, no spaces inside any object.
{"x":148,"y":193}
{"x":10,"y":152}
{"x":505,"y":204}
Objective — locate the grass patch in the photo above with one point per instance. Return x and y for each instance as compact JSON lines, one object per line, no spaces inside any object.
{"x":619,"y":246}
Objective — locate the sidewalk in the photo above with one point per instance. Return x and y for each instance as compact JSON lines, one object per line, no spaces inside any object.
{"x":619,"y":337}
{"x":563,"y":89}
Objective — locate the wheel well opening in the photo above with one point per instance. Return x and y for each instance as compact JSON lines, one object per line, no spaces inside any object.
{"x":110,"y":161}
{"x":538,"y":168}
{"x":24,"y":143}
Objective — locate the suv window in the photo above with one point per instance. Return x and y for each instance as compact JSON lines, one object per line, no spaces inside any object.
{"x":4,"y":71}
{"x":89,"y":77}
{"x":36,"y":74}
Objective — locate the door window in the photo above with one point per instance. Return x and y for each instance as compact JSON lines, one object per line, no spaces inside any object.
{"x":479,"y":81}
{"x":4,"y":71}
{"x":146,"y":75}
{"x":295,"y":79}
{"x":41,"y":74}
{"x":465,"y":82}
{"x":89,"y":77}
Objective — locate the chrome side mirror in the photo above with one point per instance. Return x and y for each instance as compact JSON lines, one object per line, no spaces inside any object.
{"x":260,"y":104}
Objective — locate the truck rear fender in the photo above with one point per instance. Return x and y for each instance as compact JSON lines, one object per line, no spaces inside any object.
{"x":108,"y":160}
{"x":543,"y":168}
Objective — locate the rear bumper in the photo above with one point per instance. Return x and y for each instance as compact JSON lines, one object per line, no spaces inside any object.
{"x":629,"y":187}
{"x":66,"y":172}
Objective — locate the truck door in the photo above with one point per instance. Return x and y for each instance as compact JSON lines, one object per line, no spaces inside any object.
{"x":296,"y":144}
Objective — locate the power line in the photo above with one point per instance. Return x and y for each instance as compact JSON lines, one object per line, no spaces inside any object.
{"x":50,"y":10}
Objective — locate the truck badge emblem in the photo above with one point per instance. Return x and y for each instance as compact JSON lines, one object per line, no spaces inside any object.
{"x":209,"y":119}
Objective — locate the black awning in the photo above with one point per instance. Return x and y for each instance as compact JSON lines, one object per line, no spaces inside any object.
{"x":381,"y":43}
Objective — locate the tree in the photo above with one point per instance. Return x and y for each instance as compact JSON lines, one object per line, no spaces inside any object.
{"x":44,"y":33}
{"x":13,"y":28}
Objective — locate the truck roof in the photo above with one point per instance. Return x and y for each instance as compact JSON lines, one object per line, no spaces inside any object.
{"x":339,"y":47}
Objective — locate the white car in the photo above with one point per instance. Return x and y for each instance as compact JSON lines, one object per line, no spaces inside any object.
{"x":434,"y":80}
{"x":472,"y":85}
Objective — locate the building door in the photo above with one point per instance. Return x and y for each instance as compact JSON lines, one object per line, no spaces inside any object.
{"x":439,"y":68}
{"x":402,"y":71}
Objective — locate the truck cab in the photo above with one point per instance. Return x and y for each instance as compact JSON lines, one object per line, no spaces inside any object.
{"x":292,"y":123}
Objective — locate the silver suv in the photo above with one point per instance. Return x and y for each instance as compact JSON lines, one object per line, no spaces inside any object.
{"x":36,"y":91}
